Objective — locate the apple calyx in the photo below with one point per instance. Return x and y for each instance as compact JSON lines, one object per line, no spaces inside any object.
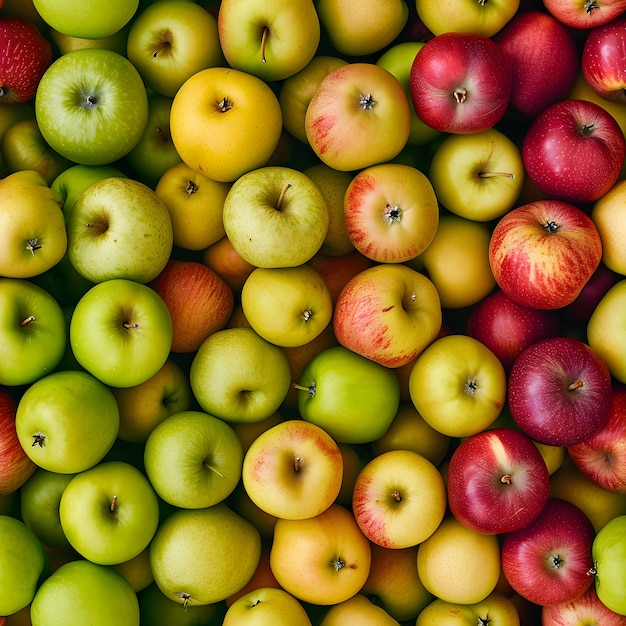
{"x":191,"y":188}
{"x":39,"y":439}
{"x":483,"y":621}
{"x":506,"y":479}
{"x":185,"y":597}
{"x":91,"y":101}
{"x":33,"y":245}
{"x":264,"y":35}
{"x":551,"y":226}
{"x":590,"y":5}
{"x":470,"y":387}
{"x":224,"y":105}
{"x":460,"y":95}
{"x":338,"y":563}
{"x":392,"y":214}
{"x":27,"y":320}
{"x":366,"y":102}
{"x":586,"y":130}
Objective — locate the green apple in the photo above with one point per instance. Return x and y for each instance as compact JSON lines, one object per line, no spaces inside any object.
{"x":609,"y":557}
{"x":269,"y":206}
{"x":32,"y":332}
{"x":22,"y":563}
{"x":33,"y":237}
{"x":203,"y":556}
{"x":67,"y":421}
{"x":238,"y":376}
{"x":109,"y":513}
{"x":266,"y":605}
{"x":170,"y":40}
{"x":91,"y":106}
{"x":193,"y":459}
{"x":351,"y":397}
{"x":81,"y":592}
{"x":121,"y":332}
{"x":119,"y":228}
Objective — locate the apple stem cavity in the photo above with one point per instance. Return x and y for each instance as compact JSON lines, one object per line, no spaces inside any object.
{"x":33,"y":245}
{"x":191,"y":188}
{"x":460,"y":95}
{"x":39,"y":440}
{"x":281,"y":197}
{"x":113,"y":503}
{"x":27,"y":320}
{"x":264,"y":36}
{"x":366,"y":102}
{"x":99,"y":226}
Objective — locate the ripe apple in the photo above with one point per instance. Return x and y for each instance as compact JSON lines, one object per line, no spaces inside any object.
{"x":586,"y":608}
{"x":574,"y":151}
{"x":357,"y":610}
{"x":608,"y":551}
{"x":66,"y":43}
{"x":549,"y":560}
{"x":227,"y":263}
{"x":542,"y":253}
{"x":585,"y":15}
{"x":559,"y":391}
{"x":607,"y":216}
{"x":266,"y":605}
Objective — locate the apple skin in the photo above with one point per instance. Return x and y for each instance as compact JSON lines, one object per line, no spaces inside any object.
{"x":608,"y":551}
{"x":582,"y":15}
{"x":549,"y":561}
{"x":266,"y":605}
{"x":608,"y":217}
{"x":498,"y":481}
{"x":559,"y":391}
{"x":574,"y":151}
{"x":228,"y":264}
{"x":585,"y":609}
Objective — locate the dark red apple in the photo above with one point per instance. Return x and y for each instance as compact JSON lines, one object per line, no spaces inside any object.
{"x":559,"y":391}
{"x":586,"y":610}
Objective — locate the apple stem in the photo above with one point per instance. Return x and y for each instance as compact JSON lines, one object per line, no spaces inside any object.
{"x":129,"y":325}
{"x":460,"y":95}
{"x":296,"y":464}
{"x":492,"y":174}
{"x":576,"y":385}
{"x":113,"y":503}
{"x":191,"y":188}
{"x":412,"y":299}
{"x":264,"y":35}
{"x":99,"y":227}
{"x":396,"y":495}
{"x":27,"y":320}
{"x":310,"y":390}
{"x":281,"y":197}
{"x":214,"y":469}
{"x":506,"y":479}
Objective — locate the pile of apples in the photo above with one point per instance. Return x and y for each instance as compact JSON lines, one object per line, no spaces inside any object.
{"x":312,"y":312}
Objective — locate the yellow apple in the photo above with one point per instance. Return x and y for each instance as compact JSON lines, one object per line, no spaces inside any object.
{"x":552,"y":455}
{"x":266,"y":605}
{"x":608,"y":216}
{"x":357,"y":611}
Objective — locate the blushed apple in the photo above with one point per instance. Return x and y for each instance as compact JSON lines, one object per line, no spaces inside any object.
{"x":586,"y":15}
{"x":587,"y":607}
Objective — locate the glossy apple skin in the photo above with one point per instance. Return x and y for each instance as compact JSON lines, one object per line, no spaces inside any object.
{"x":578,"y":15}
{"x":498,"y":481}
{"x":559,"y":391}
{"x":586,"y":609}
{"x":574,"y":151}
{"x":549,"y":560}
{"x":460,"y":83}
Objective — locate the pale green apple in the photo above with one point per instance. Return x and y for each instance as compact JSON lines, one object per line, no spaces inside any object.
{"x":609,"y":554}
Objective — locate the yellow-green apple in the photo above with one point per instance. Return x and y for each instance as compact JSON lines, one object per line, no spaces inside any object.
{"x":270,"y":41}
{"x":67,"y":421}
{"x":109,"y":513}
{"x":33,"y":237}
{"x":608,"y":551}
{"x":85,"y":593}
{"x":119,"y":229}
{"x":362,"y":28}
{"x":169,"y":41}
{"x":287,"y":306}
{"x":549,"y":561}
{"x":608,"y":217}
{"x":238,"y":376}
{"x":391,"y":212}
{"x":16,"y":467}
{"x":32,"y":332}
{"x":195,"y":205}
{"x":225,"y":122}
{"x":264,"y":606}
{"x":460,"y":273}
{"x":296,"y":92}
{"x":121,"y":332}
{"x":25,"y":54}
{"x":586,"y":608}
{"x":563,"y":141}
{"x":202,"y":556}
{"x":399,"y":499}
{"x":270,"y":205}
{"x":351,"y":397}
{"x":457,"y":564}
{"x":358,"y":116}
{"x":542,"y":253}
{"x":544,"y":59}
{"x":388,"y":313}
{"x":460,"y":82}
{"x":586,"y":15}
{"x":293,"y":470}
{"x":199,"y":301}
{"x":227,"y":263}
{"x":559,"y":391}
{"x":323,"y":559}
{"x":23,"y":561}
{"x":458,"y":385}
{"x":357,"y":610}
{"x":498,"y":481}
{"x":477,"y":176}
{"x":91,"y":106}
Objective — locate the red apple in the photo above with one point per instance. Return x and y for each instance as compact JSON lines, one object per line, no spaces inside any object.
{"x":543,"y":253}
{"x":460,"y":83}
{"x":227,"y":263}
{"x":498,"y":481}
{"x":559,"y":391}
{"x":25,"y":54}
{"x":585,"y":14}
{"x":549,"y":561}
{"x":584,"y":610}
{"x":574,"y":151}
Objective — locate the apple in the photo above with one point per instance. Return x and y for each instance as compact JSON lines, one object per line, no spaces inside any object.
{"x":267,"y":40}
{"x":119,"y":229}
{"x":225,"y":122}
{"x":202,"y":556}
{"x":358,"y":116}
{"x":91,"y":106}
{"x":228,"y":264}
{"x":32,"y":332}
{"x":498,"y":481}
{"x":193,"y":460}
{"x":357,"y":610}
{"x":542,"y":253}
{"x":271,"y":205}
{"x":608,"y":551}
{"x":293,"y":470}
{"x":563,"y":142}
{"x":460,"y":82}
{"x":559,"y":391}
{"x":321,"y":560}
{"x":25,"y":54}
{"x":168,"y":42}
{"x":66,"y":43}
{"x":458,"y":385}
{"x":67,"y":421}
{"x":388,"y":313}
{"x":137,"y":570}
{"x":608,"y":218}
{"x":264,"y":606}
{"x":585,"y":15}
{"x":549,"y":560}
{"x":585,"y":608}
